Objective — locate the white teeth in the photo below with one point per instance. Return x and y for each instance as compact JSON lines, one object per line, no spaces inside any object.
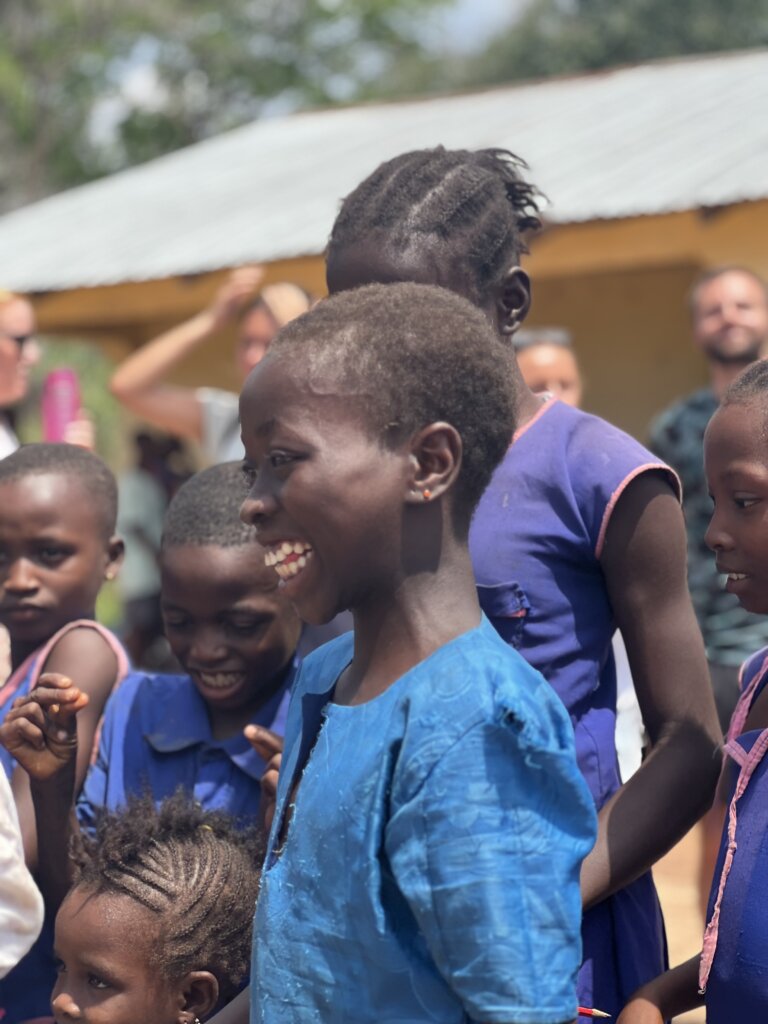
{"x":221,"y":680}
{"x":276,"y":555}
{"x":737,"y":576}
{"x":287,"y":570}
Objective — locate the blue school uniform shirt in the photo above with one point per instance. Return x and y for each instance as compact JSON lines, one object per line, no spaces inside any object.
{"x":536,"y":541}
{"x":156,"y":738}
{"x":735,"y":959}
{"x":431,"y":866}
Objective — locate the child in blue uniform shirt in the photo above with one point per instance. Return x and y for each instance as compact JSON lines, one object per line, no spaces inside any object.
{"x":424,"y":857}
{"x":731,"y":976}
{"x":234,"y":635}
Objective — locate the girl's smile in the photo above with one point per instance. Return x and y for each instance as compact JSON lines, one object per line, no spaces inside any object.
{"x":325,"y":497}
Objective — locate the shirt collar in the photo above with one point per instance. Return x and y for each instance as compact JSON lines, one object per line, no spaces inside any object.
{"x":180,"y":722}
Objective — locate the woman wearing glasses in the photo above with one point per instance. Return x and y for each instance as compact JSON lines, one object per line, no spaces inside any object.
{"x":18,"y":352}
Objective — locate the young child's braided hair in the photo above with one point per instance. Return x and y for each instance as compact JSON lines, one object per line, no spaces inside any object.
{"x":475,"y":207}
{"x":191,"y":868}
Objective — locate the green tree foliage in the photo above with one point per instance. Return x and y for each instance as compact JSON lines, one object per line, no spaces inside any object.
{"x":65,"y":114}
{"x":562,"y":36}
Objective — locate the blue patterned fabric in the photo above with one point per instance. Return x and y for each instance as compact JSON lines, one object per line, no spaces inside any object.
{"x":431,"y":866}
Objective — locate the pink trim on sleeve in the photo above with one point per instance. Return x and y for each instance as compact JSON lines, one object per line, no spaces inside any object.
{"x":42,"y":654}
{"x":646,"y":468}
{"x":544,"y":407}
{"x":123,"y":665}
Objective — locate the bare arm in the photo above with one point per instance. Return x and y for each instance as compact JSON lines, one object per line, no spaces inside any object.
{"x":644,"y":562}
{"x":40,"y":731}
{"x":672,"y":993}
{"x":139,"y":381}
{"x":87,"y":657}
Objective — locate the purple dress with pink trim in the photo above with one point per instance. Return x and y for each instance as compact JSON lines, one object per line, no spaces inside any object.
{"x":536,"y":541}
{"x":734,"y":962}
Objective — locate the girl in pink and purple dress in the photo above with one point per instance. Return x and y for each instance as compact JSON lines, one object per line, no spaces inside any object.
{"x":58,"y":506}
{"x":731,"y":976}
{"x":579,"y":533}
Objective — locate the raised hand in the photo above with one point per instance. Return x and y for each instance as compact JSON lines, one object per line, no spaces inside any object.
{"x":235,"y":293}
{"x":270,"y":747}
{"x":40,"y":730}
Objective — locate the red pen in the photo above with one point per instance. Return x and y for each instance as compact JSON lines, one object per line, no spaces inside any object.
{"x":583,"y":1011}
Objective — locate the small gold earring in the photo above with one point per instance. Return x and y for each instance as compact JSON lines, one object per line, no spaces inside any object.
{"x":426,"y":494}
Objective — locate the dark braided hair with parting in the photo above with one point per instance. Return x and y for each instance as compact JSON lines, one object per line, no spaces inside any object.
{"x":190,"y":867}
{"x":470,"y":209}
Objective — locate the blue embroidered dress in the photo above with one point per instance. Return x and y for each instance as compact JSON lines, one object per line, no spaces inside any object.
{"x":431,"y":866}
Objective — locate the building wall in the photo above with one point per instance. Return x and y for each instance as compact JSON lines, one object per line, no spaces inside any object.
{"x":619,"y":286}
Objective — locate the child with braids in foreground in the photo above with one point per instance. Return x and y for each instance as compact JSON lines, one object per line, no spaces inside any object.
{"x":157,"y":926}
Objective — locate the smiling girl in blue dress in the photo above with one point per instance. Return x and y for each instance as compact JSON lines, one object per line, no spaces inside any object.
{"x":424,"y":857}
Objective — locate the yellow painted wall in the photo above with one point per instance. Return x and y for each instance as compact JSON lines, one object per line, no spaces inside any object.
{"x":619,"y":286}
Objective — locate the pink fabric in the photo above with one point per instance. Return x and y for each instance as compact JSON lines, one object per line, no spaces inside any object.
{"x":545,"y":406}
{"x":620,"y":490}
{"x":747,"y":762}
{"x":742,"y":709}
{"x":40,"y":656}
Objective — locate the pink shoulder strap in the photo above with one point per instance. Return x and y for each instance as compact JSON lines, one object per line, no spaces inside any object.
{"x":747,"y":762}
{"x":112,"y":642}
{"x":742,"y":709}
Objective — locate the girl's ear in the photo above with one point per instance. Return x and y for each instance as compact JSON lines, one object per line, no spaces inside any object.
{"x":435,"y":461}
{"x":199,"y":991}
{"x":115,"y":555}
{"x":513,"y":300}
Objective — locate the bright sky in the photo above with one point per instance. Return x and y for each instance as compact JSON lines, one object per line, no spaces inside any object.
{"x":467,"y":23}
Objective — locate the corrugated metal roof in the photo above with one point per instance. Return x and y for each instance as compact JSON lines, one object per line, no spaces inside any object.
{"x":651,"y":139}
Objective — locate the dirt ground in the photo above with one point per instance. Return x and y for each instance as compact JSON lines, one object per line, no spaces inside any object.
{"x":676,"y":882}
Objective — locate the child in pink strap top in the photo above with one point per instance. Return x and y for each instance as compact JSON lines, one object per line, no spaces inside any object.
{"x":58,"y":505}
{"x":731,"y":976}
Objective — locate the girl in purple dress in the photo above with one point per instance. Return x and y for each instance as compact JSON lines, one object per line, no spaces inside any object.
{"x":580,"y":532}
{"x":731,"y":976}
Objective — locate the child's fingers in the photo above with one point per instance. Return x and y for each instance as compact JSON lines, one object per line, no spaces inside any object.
{"x":24,"y":730}
{"x":266,"y":743}
{"x":55,"y":681}
{"x":59,"y":703}
{"x":28,"y":710}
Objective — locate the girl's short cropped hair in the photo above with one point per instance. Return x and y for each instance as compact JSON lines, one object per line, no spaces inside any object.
{"x":192,"y":869}
{"x":749,"y":386}
{"x":411,"y":355}
{"x":206,"y":510}
{"x":71,"y":461}
{"x":471,"y":208}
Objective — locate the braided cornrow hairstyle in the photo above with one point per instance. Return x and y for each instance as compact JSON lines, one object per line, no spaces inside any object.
{"x":190,"y":867}
{"x":471,"y":209}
